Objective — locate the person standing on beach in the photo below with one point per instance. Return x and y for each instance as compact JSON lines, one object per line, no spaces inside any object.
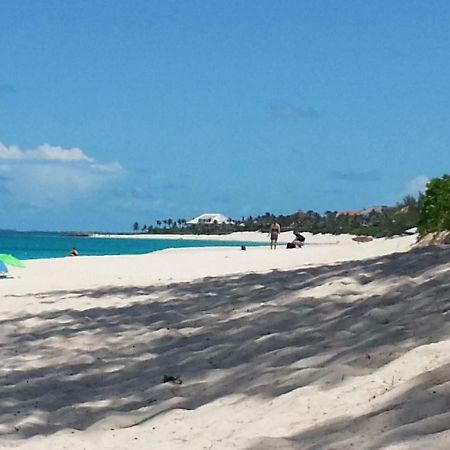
{"x":275,"y":230}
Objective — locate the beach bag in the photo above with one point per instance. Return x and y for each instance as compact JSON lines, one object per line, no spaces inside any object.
{"x":290,"y":245}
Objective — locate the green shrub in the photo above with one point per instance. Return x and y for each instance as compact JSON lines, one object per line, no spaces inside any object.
{"x":435,"y":212}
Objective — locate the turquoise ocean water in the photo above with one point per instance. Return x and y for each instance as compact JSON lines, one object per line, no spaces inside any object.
{"x":55,"y":245}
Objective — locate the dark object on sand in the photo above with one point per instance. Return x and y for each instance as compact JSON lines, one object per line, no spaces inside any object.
{"x":172,"y":379}
{"x":243,"y":247}
{"x":290,"y":245}
{"x":362,"y":239}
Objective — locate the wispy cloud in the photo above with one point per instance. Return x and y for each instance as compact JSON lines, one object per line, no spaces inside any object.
{"x":7,"y":89}
{"x":289,"y":111}
{"x":107,"y":168}
{"x":355,"y":177}
{"x":416,"y":186}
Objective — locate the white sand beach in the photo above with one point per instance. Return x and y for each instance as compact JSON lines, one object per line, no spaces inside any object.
{"x":337,"y":345}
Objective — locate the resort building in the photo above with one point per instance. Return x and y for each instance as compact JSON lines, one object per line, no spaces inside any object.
{"x":210,"y":218}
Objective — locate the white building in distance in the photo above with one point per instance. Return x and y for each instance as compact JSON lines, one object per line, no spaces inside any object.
{"x":210,"y":218}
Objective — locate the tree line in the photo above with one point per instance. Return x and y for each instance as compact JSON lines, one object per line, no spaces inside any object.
{"x":430,"y":212}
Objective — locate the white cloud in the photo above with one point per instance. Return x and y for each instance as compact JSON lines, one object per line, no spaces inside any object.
{"x":10,"y":152}
{"x":416,"y":185}
{"x":48,"y":176}
{"x":44,"y":152}
{"x":48,"y":152}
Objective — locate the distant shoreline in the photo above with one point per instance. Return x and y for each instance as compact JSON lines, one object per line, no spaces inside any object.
{"x":236,"y":237}
{"x":242,"y":236}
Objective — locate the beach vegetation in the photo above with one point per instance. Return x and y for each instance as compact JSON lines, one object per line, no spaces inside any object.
{"x":435,"y":211}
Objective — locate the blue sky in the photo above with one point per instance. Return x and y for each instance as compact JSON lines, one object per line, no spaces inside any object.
{"x":112,"y":112}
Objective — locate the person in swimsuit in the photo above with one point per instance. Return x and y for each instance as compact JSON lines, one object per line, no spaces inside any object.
{"x":275,"y":230}
{"x":299,"y":240}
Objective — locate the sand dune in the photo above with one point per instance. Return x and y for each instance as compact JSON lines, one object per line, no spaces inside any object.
{"x":322,"y":348}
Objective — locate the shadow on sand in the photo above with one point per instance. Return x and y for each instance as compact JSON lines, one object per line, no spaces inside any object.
{"x":228,"y":335}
